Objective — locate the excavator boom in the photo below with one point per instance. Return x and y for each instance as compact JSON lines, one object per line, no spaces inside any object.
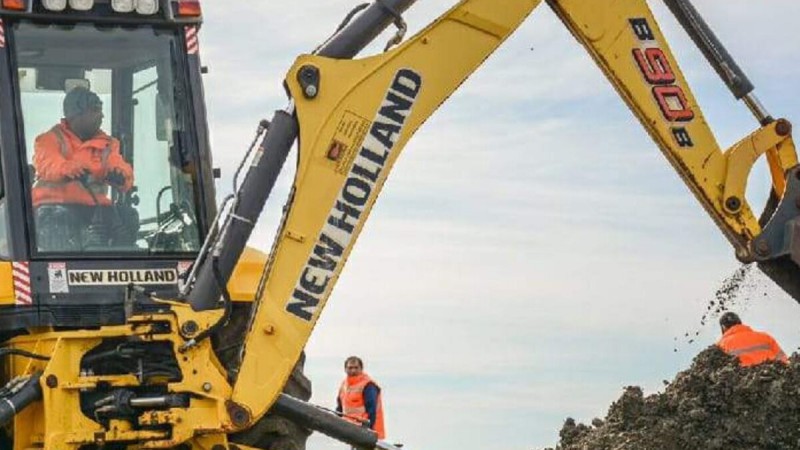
{"x":626,"y":43}
{"x":355,"y":125}
{"x":354,"y":118}
{"x":351,"y":119}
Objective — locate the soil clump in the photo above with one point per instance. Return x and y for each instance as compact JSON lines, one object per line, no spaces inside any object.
{"x":715,"y":404}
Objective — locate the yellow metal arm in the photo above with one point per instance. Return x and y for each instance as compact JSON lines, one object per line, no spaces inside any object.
{"x":355,"y":117}
{"x":351,"y":133}
{"x":626,"y":42}
{"x":356,"y":120}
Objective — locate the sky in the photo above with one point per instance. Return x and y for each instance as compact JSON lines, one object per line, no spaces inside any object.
{"x":520,"y":266}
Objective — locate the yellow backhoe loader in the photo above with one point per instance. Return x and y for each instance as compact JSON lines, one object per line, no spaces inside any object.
{"x":132,"y":314}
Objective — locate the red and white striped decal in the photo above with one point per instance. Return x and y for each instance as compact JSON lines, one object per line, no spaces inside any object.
{"x":22,"y":282}
{"x":192,"y":42}
{"x":2,"y":34}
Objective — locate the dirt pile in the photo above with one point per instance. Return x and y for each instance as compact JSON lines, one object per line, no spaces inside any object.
{"x":715,"y":404}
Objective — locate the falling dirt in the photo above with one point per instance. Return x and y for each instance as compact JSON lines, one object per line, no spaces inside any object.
{"x":727,"y":296}
{"x":734,"y":294}
{"x":715,"y":404}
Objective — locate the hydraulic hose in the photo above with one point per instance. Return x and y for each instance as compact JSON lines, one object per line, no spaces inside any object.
{"x":21,"y":397}
{"x":273,"y":151}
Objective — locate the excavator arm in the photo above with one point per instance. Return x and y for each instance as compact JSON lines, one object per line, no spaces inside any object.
{"x":363,"y":112}
{"x":352,"y":130}
{"x":355,"y":117}
{"x":625,"y":41}
{"x":352,"y":118}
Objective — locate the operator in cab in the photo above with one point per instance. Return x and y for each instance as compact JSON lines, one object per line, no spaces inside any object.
{"x":75,"y":164}
{"x":750,"y":346}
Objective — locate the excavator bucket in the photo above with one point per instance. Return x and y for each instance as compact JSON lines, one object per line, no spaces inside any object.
{"x":777,"y":248}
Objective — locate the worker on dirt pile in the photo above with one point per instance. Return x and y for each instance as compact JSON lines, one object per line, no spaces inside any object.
{"x":75,"y":164}
{"x":752,"y":347}
{"x":359,"y":397}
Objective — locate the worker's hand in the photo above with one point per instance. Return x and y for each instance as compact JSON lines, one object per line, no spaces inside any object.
{"x":115,"y":177}
{"x":74,"y":169}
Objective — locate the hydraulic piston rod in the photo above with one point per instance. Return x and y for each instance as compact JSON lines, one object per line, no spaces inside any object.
{"x":328,"y":424}
{"x":271,"y":156}
{"x":718,"y":56}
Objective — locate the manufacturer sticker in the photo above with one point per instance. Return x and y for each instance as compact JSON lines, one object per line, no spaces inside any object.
{"x":122,"y":277}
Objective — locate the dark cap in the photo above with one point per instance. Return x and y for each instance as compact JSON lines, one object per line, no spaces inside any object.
{"x":729,"y":319}
{"x":80,"y":100}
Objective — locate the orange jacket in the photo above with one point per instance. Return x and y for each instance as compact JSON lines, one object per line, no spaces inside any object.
{"x":752,"y":347}
{"x":352,"y":400}
{"x":59,"y":150}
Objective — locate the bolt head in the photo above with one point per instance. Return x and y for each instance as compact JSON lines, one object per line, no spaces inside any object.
{"x":762,"y":248}
{"x":733,"y":203}
{"x":189,"y":328}
{"x":311,"y":91}
{"x":207,"y":387}
{"x":783,"y":127}
{"x":239,"y":416}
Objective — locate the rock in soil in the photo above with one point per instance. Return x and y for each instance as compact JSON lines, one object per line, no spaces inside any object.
{"x":715,"y":404}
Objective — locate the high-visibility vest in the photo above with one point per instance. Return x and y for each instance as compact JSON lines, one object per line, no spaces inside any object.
{"x":752,"y":347}
{"x":100,"y":153}
{"x":351,"y":396}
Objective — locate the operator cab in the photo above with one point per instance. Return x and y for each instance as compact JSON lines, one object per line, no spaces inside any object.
{"x":82,"y":217}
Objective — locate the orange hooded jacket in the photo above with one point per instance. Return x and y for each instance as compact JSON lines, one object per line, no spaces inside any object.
{"x":58,"y":151}
{"x":752,"y":347}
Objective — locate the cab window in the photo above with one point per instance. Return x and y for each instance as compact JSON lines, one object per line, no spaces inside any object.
{"x":106,"y":140}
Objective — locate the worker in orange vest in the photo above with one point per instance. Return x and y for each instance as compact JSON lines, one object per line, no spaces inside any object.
{"x":359,"y":397}
{"x":75,"y":164}
{"x":752,"y":347}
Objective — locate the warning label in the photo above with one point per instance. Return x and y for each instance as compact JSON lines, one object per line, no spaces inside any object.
{"x":122,"y":277}
{"x":57,"y":276}
{"x":349,"y":134}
